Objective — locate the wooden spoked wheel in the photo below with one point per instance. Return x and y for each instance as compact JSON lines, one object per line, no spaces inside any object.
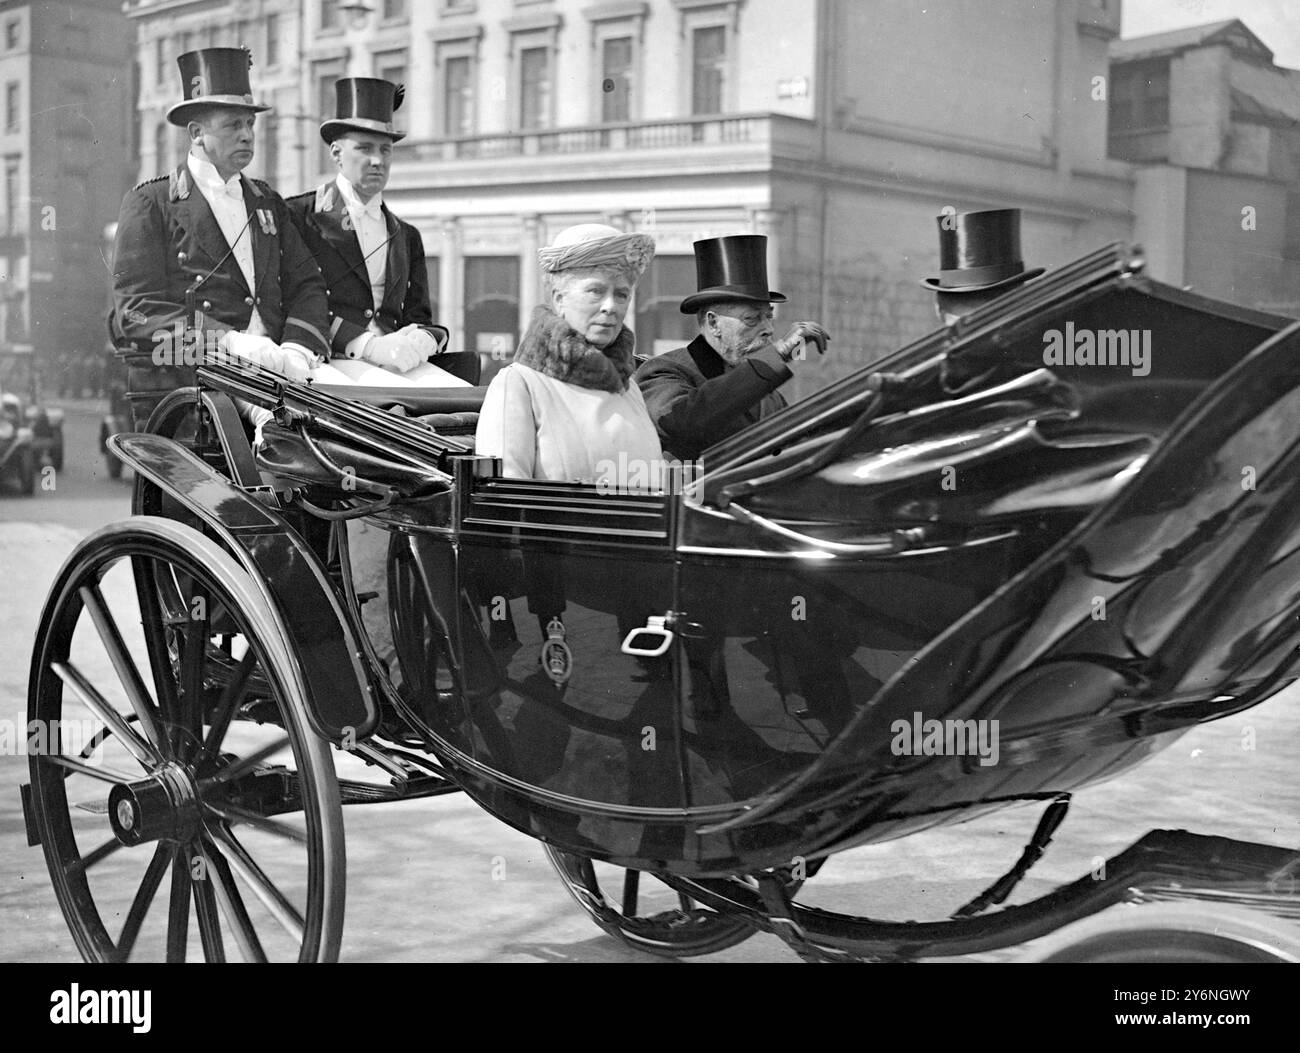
{"x":184,"y":805}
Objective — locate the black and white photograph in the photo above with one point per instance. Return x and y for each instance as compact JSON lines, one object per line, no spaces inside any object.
{"x":649,"y":481}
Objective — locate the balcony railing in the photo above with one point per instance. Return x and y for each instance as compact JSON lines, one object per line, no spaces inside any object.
{"x":641,"y":135}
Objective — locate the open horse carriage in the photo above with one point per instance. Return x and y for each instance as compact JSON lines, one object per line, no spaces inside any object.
{"x":697,"y":689}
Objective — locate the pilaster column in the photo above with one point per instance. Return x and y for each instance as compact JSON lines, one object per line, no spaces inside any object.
{"x":451,"y":285}
{"x":529,"y":271}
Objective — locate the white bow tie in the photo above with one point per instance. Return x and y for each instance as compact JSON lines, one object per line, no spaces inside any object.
{"x":231,"y":190}
{"x":369,"y":211}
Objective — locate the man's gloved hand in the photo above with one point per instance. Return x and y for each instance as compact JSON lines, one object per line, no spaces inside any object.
{"x":790,"y":344}
{"x":424,"y":344}
{"x":259,"y":350}
{"x":296,"y":362}
{"x":396,"y":352}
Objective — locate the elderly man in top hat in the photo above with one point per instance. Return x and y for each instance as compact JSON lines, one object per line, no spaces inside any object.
{"x":208,"y":241}
{"x":726,"y":378}
{"x":381,"y":328}
{"x":979,"y":260}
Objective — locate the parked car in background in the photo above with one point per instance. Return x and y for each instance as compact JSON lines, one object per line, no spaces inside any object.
{"x":20,"y":382}
{"x":17,"y":458}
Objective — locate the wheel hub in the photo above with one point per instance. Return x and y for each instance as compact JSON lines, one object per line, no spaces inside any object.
{"x":164,"y":805}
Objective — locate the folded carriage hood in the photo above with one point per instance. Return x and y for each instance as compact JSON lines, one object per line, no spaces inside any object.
{"x":1174,"y":601}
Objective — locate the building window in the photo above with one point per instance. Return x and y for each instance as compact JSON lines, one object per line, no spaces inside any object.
{"x":272,"y":40}
{"x":616,"y":79}
{"x":391,"y":65}
{"x":11,"y":225}
{"x":660,"y":324}
{"x":394,"y":10}
{"x":1139,"y":98}
{"x":329,"y":14}
{"x":708,"y":69}
{"x":534,"y":88}
{"x":160,"y":60}
{"x":458,"y":96}
{"x":74,"y":115}
{"x":12,"y":102}
{"x":182,"y":43}
{"x":492,"y":310}
{"x":12,"y":31}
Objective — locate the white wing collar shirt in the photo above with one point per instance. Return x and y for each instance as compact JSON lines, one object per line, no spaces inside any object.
{"x":226,"y":199}
{"x":372,"y":236}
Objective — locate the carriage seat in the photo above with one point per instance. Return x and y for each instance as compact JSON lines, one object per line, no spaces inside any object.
{"x":414,"y":402}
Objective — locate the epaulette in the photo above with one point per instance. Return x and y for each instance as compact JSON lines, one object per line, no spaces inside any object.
{"x":146,"y":182}
{"x":179,"y":189}
{"x":260,"y":185}
{"x":325,"y":196}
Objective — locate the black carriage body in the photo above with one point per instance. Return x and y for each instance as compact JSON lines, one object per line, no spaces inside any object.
{"x":1096,"y":557}
{"x":1113,"y":564}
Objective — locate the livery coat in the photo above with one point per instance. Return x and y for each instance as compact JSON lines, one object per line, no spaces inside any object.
{"x":167,"y":237}
{"x":696,"y":401}
{"x":323,"y":221}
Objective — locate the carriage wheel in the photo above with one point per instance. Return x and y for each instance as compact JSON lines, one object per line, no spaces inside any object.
{"x":648,"y":916}
{"x":184,"y":805}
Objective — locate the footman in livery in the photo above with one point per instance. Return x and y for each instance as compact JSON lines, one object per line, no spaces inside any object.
{"x":207,"y":255}
{"x":381,"y":326}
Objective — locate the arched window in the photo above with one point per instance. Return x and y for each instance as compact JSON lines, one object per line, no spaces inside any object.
{"x":492,"y":310}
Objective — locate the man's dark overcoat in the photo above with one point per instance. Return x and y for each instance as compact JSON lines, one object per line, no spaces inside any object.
{"x":696,"y":401}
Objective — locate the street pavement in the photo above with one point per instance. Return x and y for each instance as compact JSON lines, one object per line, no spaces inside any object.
{"x":441,"y":880}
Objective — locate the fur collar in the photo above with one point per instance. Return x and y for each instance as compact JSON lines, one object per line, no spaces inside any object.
{"x":553,"y":348}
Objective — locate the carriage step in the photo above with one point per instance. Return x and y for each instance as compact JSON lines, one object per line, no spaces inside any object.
{"x":29,"y":816}
{"x":352,"y":792}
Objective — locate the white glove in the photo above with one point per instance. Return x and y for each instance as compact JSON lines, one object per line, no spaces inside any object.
{"x":396,"y":352}
{"x":423,"y":343}
{"x":296,"y":362}
{"x":258,"y":350}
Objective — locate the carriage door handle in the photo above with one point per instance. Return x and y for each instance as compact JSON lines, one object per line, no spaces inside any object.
{"x":656,"y":628}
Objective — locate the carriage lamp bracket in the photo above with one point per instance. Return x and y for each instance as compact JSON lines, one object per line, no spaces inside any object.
{"x":657,"y":625}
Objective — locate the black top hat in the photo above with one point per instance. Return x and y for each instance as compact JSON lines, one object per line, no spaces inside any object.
{"x":364,"y":104}
{"x":214,"y":77}
{"x":731,"y":268}
{"x":979,"y":251}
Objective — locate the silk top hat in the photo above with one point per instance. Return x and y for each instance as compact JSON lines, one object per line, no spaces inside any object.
{"x":364,"y":104}
{"x":731,"y":268}
{"x":979,"y":251}
{"x":214,"y":77}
